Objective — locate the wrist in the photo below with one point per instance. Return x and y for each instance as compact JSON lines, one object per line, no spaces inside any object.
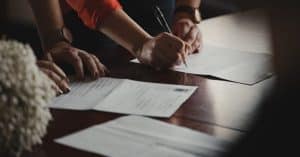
{"x":182,"y":16}
{"x":56,"y":46}
{"x":187,"y":12}
{"x":138,"y":47}
{"x":54,"y":37}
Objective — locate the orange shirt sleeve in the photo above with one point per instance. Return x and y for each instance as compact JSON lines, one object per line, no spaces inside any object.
{"x":92,"y":12}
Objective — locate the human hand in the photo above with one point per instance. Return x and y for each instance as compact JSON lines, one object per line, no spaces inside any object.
{"x":56,"y":75}
{"x":188,"y":31}
{"x":63,"y":52}
{"x":163,"y":51}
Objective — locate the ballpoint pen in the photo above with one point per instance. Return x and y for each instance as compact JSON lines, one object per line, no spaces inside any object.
{"x":163,"y":22}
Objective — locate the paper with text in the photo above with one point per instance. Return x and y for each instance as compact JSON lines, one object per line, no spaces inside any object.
{"x":233,"y":65}
{"x":140,"y":136}
{"x":125,"y":96}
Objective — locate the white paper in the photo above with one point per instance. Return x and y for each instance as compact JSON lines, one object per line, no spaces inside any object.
{"x":233,"y":65}
{"x":125,"y":96}
{"x":139,"y":136}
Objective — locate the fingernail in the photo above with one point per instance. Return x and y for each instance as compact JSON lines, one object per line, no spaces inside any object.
{"x":59,"y":92}
{"x":68,"y":89}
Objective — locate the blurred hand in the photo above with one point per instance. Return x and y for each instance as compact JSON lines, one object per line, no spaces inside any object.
{"x":80,"y":60}
{"x":185,"y":29}
{"x":56,"y":74}
{"x":163,"y":51}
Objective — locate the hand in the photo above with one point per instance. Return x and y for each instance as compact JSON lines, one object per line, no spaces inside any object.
{"x":56,"y":74}
{"x":185,"y":29}
{"x":163,"y":51}
{"x":64,"y":53}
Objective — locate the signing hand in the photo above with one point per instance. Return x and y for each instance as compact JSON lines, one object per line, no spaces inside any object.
{"x":163,"y":51}
{"x":63,"y":52}
{"x":56,"y":74}
{"x":185,"y":29}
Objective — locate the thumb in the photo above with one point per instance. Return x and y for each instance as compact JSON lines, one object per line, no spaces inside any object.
{"x":47,"y":56}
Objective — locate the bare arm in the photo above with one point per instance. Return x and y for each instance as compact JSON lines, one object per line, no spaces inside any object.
{"x":122,"y":29}
{"x":162,"y":51}
{"x":48,"y":18}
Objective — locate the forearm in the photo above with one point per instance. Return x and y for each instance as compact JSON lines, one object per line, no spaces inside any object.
{"x":123,"y":30}
{"x":48,"y":17}
{"x":191,"y":3}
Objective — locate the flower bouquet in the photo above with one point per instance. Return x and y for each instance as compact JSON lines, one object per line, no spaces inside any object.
{"x":24,"y":94}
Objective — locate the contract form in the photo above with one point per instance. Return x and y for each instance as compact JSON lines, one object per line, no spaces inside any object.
{"x":144,"y":137}
{"x":233,"y":65}
{"x":124,"y":96}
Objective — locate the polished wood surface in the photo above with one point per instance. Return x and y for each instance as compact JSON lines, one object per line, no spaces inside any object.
{"x":219,"y":108}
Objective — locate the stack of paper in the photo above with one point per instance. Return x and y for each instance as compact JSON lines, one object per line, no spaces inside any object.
{"x":144,"y":137}
{"x":233,"y":65}
{"x":125,"y":96}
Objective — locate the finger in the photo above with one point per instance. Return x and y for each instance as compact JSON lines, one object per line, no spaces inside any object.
{"x":197,"y":43}
{"x":90,"y":63}
{"x":188,"y":49}
{"x":181,"y":29}
{"x":173,"y":42}
{"x":52,"y":66}
{"x":170,"y":55}
{"x":179,"y":47}
{"x":101,"y":68}
{"x":59,"y":81}
{"x":191,"y":36}
{"x":76,"y":62}
{"x":48,"y":56}
{"x":159,"y":60}
{"x":56,"y":89}
{"x":54,"y":86}
{"x":164,"y":59}
{"x":180,"y":55}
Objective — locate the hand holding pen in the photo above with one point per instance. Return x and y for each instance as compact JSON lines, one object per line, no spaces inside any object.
{"x":163,"y":22}
{"x":162,"y":51}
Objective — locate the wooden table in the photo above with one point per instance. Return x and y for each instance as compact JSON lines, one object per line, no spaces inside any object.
{"x":218,"y":108}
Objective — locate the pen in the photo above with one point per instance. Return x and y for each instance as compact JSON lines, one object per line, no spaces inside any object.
{"x":163,"y":22}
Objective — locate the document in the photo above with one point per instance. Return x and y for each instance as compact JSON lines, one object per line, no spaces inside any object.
{"x":125,"y":96}
{"x":144,"y":137}
{"x":228,"y":64}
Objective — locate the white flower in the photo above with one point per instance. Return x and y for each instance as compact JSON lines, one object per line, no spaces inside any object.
{"x":24,"y":94}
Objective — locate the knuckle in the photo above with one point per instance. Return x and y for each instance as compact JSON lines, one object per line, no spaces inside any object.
{"x":195,"y":27}
{"x":51,"y":74}
{"x":92,"y":55}
{"x":180,"y":44}
{"x":96,"y":58}
{"x":52,"y":65}
{"x":69,"y":49}
{"x":83,"y":53}
{"x":165,"y":34}
{"x":77,"y":59}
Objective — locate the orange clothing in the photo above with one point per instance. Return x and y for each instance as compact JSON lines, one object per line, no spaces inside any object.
{"x":93,"y":12}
